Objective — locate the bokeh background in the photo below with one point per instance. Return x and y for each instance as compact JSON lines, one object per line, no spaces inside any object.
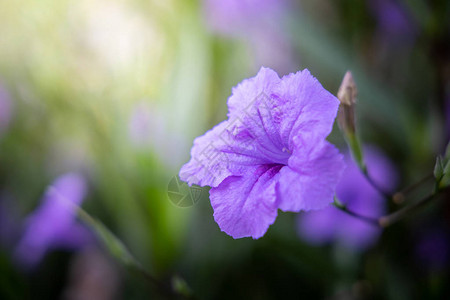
{"x":102,"y":100}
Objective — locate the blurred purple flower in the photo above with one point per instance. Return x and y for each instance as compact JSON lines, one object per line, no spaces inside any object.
{"x":140,"y":125}
{"x":147,"y":128}
{"x":270,"y":154}
{"x":233,"y":16}
{"x":393,"y":21}
{"x":5,"y":109}
{"x":53,"y":224}
{"x":433,"y":249}
{"x":257,"y":22}
{"x":331,"y":224}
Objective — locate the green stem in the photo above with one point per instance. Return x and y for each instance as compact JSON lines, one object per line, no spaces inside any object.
{"x":390,"y":219}
{"x":344,"y":208}
{"x":355,"y":148}
{"x":375,"y":185}
{"x":399,"y":197}
{"x":358,"y":156}
{"x":121,"y":253}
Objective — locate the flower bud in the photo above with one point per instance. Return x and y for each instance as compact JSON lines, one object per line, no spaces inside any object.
{"x":347,"y":96}
{"x":346,"y":117}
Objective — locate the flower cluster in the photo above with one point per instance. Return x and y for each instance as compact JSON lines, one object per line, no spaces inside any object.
{"x":269,"y":154}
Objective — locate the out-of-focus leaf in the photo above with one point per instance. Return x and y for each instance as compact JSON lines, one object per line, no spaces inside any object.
{"x":120,"y":252}
{"x":438,"y":169}
{"x":180,"y":286}
{"x":115,"y":246}
{"x":442,"y":170}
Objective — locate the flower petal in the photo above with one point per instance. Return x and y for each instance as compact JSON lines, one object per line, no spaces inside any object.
{"x":354,"y":233}
{"x":309,"y":182}
{"x":208,"y":165}
{"x":252,"y":107}
{"x":306,"y":110}
{"x":245,"y":93}
{"x":246,"y":205}
{"x":248,"y":138}
{"x":228,"y":149}
{"x":318,"y":227}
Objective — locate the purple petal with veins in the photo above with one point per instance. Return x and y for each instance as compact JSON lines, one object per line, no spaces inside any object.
{"x":269,"y":154}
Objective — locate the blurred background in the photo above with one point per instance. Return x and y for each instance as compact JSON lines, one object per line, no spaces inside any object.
{"x":100,"y":102}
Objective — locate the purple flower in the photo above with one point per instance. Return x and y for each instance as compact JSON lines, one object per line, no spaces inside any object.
{"x":148,"y":130}
{"x":357,"y":193}
{"x":270,"y":154}
{"x":259,"y":24}
{"x":393,"y":21}
{"x":233,"y":16}
{"x":140,"y":125}
{"x":53,"y":224}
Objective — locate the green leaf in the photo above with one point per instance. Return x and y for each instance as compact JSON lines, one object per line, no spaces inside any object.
{"x":438,"y":169}
{"x":120,"y":252}
{"x":180,"y":286}
{"x":115,"y":246}
{"x":445,"y":179}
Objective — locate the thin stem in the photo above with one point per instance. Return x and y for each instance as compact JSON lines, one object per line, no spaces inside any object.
{"x":118,"y":250}
{"x":390,"y":219}
{"x":400,"y":214}
{"x":375,"y":185}
{"x":399,"y":197}
{"x":344,"y":208}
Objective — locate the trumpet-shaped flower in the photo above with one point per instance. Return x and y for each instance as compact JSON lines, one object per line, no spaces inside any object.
{"x":269,"y":154}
